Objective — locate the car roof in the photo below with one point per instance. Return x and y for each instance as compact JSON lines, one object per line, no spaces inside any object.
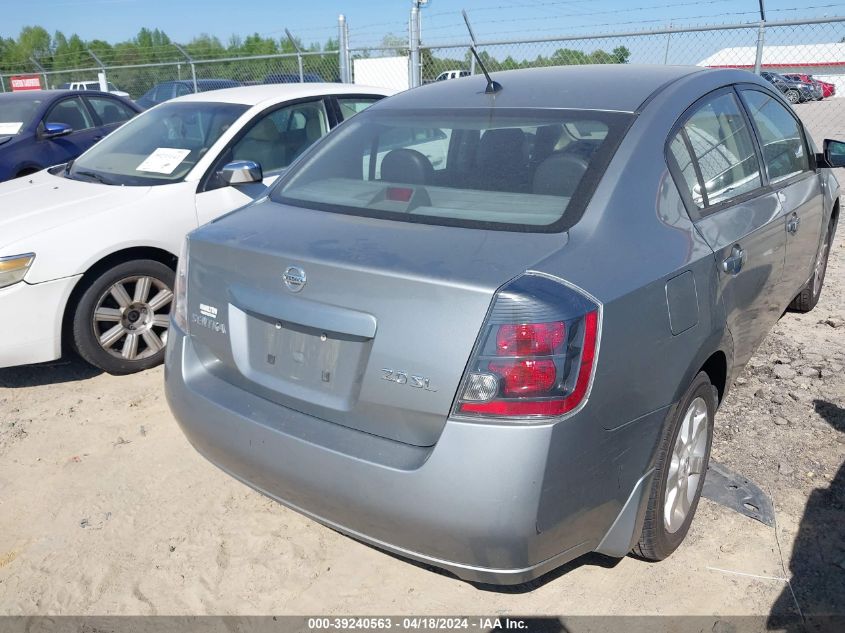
{"x":24,"y":95}
{"x":254,"y":95}
{"x":619,"y":87}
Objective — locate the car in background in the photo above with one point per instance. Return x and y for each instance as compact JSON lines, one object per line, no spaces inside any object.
{"x":168,"y":90}
{"x":794,"y":91}
{"x":88,"y":249}
{"x":507,"y":360}
{"x":819,"y":86}
{"x":42,"y":128}
{"x":828,"y":89}
{"x":94,"y":86}
{"x":292,"y":78}
{"x":452,"y":74}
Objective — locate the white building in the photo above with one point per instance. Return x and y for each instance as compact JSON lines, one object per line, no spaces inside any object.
{"x":824,"y":61}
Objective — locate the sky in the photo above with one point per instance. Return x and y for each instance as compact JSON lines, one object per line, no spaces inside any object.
{"x":369,"y":21}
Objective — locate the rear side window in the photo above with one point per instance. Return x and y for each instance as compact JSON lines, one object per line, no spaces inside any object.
{"x":514,"y":169}
{"x":350,"y":106}
{"x":721,"y":145}
{"x":111,"y":111}
{"x":781,"y":137}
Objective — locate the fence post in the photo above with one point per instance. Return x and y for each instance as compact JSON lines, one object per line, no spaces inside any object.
{"x":666,"y":52}
{"x":2,"y":83}
{"x":41,"y":70}
{"x":758,"y":60}
{"x":104,"y":88}
{"x":415,"y":78}
{"x":191,"y":62}
{"x":343,"y":49}
{"x":298,"y":55}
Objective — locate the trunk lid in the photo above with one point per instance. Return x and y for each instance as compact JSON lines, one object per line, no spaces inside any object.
{"x":375,"y":335}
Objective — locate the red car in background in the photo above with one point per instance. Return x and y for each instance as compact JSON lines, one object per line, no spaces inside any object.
{"x":827,"y":89}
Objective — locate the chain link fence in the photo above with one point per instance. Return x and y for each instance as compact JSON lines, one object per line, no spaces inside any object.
{"x":798,"y":47}
{"x":137,"y":79}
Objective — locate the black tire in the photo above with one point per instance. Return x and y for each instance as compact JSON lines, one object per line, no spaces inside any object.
{"x":656,"y":541}
{"x":147,"y":325}
{"x":793,"y":96}
{"x":27,"y":172}
{"x":810,"y":294}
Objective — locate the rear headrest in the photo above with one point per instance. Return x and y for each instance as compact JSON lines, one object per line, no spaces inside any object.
{"x":406,"y":165}
{"x":545,"y":140}
{"x":313,"y":125}
{"x":559,"y":175}
{"x":498,"y":145}
{"x":110,"y":114}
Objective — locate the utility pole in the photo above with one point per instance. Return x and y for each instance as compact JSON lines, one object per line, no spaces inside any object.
{"x":758,"y":60}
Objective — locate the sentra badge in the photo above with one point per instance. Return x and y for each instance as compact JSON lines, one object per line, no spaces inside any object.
{"x":207,"y":318}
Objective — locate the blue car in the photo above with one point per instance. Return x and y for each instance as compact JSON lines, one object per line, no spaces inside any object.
{"x":171,"y":89}
{"x":42,"y":128}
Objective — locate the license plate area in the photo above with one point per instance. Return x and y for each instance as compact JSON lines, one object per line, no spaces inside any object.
{"x":296,"y":361}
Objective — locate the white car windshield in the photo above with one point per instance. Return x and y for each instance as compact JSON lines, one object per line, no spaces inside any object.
{"x":158,"y":147}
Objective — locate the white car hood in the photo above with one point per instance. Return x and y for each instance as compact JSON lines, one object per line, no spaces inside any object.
{"x":41,"y":202}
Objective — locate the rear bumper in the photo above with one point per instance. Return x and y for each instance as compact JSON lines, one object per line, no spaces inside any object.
{"x":31,"y":321}
{"x":489,"y":503}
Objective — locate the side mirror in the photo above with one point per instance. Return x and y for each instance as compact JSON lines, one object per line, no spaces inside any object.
{"x":241,"y":172}
{"x":833,"y":155}
{"x":55,"y":130}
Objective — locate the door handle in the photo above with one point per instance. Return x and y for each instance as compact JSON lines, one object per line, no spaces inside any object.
{"x":793,"y":224}
{"x":98,"y":138}
{"x":733,"y":263}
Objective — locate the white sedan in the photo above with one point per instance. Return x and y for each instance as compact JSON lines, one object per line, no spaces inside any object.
{"x":88,"y":250}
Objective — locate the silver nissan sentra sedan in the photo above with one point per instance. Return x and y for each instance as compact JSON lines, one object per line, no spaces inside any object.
{"x":488,"y":326}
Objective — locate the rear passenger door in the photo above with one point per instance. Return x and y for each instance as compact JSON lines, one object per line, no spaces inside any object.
{"x":715,"y":161}
{"x":786,"y":157}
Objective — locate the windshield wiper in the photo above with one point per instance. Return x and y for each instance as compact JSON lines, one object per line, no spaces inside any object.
{"x":93,"y":176}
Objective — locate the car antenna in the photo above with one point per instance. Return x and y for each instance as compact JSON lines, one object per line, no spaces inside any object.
{"x":492,"y":86}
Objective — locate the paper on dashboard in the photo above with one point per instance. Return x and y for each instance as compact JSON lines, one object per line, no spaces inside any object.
{"x":164,"y":160}
{"x":10,"y":127}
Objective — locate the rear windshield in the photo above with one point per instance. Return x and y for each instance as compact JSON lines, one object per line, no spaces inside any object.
{"x":507,"y":169}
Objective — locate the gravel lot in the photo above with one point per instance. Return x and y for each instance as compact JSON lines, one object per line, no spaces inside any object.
{"x":106,"y":509}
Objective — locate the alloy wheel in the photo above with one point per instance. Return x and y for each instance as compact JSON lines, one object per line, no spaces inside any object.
{"x":687,"y":465}
{"x":821,"y":266}
{"x":132,"y":317}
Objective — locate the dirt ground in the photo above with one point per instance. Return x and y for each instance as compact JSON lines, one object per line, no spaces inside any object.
{"x":106,"y":509}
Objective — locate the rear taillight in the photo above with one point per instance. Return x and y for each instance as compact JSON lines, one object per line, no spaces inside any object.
{"x":180,"y":289}
{"x":536,"y":352}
